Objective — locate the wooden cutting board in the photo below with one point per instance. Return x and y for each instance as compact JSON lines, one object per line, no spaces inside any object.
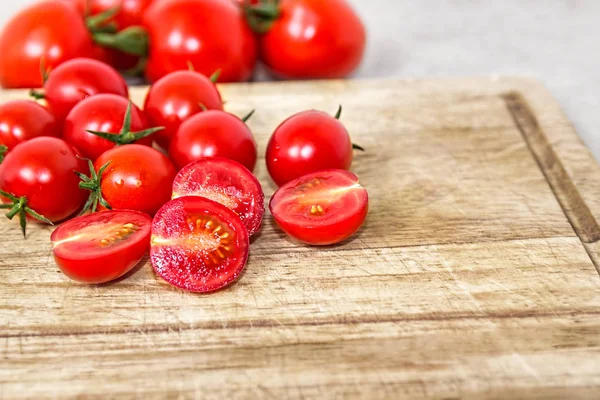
{"x":474,"y":276}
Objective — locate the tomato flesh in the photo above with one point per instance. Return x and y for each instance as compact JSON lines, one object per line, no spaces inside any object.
{"x":101,"y":247}
{"x":323,"y":208}
{"x":226,"y":182}
{"x":198,"y":245}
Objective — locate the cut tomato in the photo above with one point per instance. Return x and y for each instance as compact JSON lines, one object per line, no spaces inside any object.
{"x":322,"y":208}
{"x":101,"y":247}
{"x":198,"y":245}
{"x":226,"y":182}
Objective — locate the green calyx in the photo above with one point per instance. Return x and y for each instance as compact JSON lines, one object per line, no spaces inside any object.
{"x":126,"y":136}
{"x":3,"y":151}
{"x":247,"y":117}
{"x":93,"y":184}
{"x":262,"y":15}
{"x":19,"y":207}
{"x":101,"y":23}
{"x":133,"y":40}
{"x":337,"y":116}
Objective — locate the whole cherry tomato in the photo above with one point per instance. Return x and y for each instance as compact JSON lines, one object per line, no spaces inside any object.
{"x":308,"y":142}
{"x":105,"y":113}
{"x":209,"y":34}
{"x":38,"y":179}
{"x":176,"y":97}
{"x":76,"y":79}
{"x":131,"y":177}
{"x":21,"y":120}
{"x":46,"y":33}
{"x":309,"y":38}
{"x":213,"y":134}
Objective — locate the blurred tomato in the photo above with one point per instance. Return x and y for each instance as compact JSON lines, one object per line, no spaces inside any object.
{"x":209,"y":34}
{"x":22,"y":120}
{"x":49,"y":32}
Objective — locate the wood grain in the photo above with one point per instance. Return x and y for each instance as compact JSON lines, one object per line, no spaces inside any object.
{"x":473,"y":278}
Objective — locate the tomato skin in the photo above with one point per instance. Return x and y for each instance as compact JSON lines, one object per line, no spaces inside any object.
{"x":308,"y":142}
{"x":22,"y":120}
{"x":50,"y":31}
{"x":81,"y":262}
{"x":209,"y":43}
{"x":138,"y":178}
{"x":176,"y":97}
{"x":104,"y":113}
{"x":77,"y":79}
{"x":314,"y":39}
{"x":345,"y":205}
{"x":41,"y":169}
{"x":213,"y":134}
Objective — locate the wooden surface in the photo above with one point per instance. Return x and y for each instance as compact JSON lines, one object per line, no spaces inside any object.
{"x":474,"y":276}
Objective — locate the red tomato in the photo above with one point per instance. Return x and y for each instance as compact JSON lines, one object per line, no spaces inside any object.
{"x":176,"y":97}
{"x":135,"y":178}
{"x":226,"y":182}
{"x":74,"y":80}
{"x":52,"y":32}
{"x":314,"y":39}
{"x":307,"y":142}
{"x":101,"y":247}
{"x":37,"y":176}
{"x":323,"y":208}
{"x":198,"y":245}
{"x":209,"y":34}
{"x":21,"y":120}
{"x":102,"y":113}
{"x":213,"y":134}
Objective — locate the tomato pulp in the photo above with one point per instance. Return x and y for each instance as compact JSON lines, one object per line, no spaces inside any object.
{"x":101,"y":247}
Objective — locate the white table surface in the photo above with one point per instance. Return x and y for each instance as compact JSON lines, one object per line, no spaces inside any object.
{"x":555,"y":41}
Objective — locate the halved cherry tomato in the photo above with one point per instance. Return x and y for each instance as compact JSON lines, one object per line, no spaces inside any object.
{"x":46,"y":33}
{"x":209,"y":34}
{"x":38,"y":179}
{"x":101,"y":247}
{"x":198,"y":245}
{"x":76,"y":79}
{"x":176,"y":97}
{"x":308,"y":142}
{"x":323,"y":208}
{"x":131,"y":177}
{"x":104,"y":113}
{"x":213,"y":134}
{"x":21,"y":120}
{"x":226,"y":182}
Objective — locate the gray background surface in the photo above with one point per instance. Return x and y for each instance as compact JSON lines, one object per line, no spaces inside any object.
{"x":555,"y":41}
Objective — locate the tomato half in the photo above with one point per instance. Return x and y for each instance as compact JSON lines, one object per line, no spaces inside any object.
{"x":50,"y":32}
{"x":198,"y":245}
{"x":209,"y":34}
{"x":76,"y":79}
{"x":176,"y":97}
{"x":213,"y":134}
{"x":21,"y":120}
{"x":323,"y":208}
{"x":101,"y":247}
{"x":308,"y":142}
{"x":226,"y":182}
{"x":101,"y":113}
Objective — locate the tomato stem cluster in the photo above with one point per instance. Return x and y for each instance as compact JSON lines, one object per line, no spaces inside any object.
{"x":99,"y":23}
{"x":93,"y":183}
{"x":19,"y":206}
{"x":3,"y":150}
{"x":261,"y":16}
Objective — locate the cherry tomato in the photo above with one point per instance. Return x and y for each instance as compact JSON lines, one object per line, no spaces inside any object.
{"x":38,"y":178}
{"x":213,"y":134}
{"x":77,"y":79}
{"x":102,"y":113}
{"x":198,"y":245}
{"x":46,"y":32}
{"x":313,"y":39}
{"x":226,"y":182}
{"x":176,"y":97}
{"x":21,"y":120}
{"x":101,"y":247}
{"x":132,"y":177}
{"x":209,"y":34}
{"x":307,"y":142}
{"x":323,"y":208}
